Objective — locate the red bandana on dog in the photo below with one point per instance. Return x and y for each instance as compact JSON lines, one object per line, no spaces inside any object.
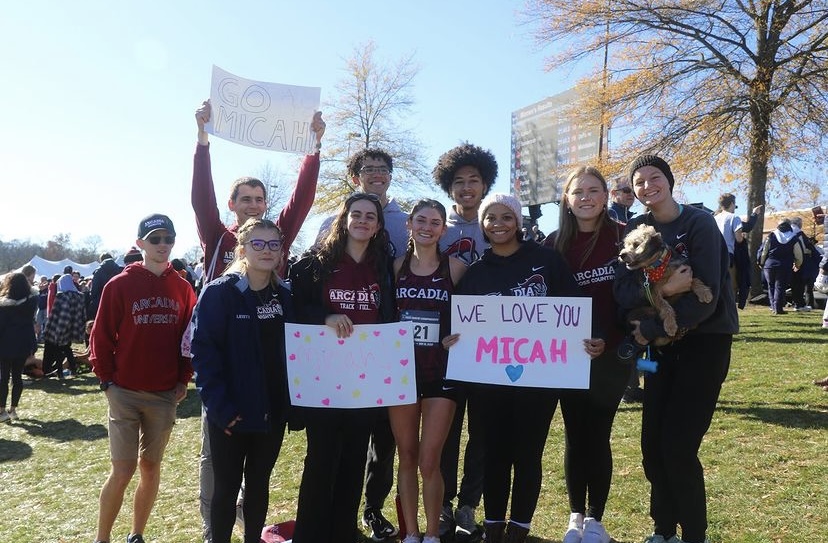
{"x":655,"y":272}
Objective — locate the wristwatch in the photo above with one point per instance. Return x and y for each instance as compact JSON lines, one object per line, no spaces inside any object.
{"x":105,"y":385}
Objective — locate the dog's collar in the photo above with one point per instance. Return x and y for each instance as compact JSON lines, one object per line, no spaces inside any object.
{"x":655,"y":271}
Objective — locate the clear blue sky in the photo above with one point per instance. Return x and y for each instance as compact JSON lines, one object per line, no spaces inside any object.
{"x":99,"y":97}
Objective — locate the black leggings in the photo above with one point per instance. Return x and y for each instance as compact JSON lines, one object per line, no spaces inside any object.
{"x":11,"y":368}
{"x":331,"y":486}
{"x":254,"y":455}
{"x":588,"y":416}
{"x":679,"y":401}
{"x":515,"y":425}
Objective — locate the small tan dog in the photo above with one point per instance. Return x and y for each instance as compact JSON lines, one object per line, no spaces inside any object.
{"x":645,"y":250}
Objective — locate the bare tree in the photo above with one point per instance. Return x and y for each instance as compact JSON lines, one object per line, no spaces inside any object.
{"x":278,"y":187}
{"x":370,"y":110}
{"x":722,"y":88}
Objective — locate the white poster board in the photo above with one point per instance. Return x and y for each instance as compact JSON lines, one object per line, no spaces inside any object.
{"x":372,"y":368}
{"x":521,"y":341}
{"x":262,"y":115}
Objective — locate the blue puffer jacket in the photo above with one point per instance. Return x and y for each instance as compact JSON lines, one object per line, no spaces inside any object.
{"x":230,"y":371}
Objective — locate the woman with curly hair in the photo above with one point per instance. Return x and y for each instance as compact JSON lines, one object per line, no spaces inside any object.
{"x":18,"y":304}
{"x":353,"y":259}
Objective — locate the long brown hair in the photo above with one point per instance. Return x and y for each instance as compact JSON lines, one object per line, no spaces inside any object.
{"x":332,"y":248}
{"x":568,"y":224}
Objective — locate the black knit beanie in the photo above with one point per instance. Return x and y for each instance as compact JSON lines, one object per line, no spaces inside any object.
{"x":655,"y":161}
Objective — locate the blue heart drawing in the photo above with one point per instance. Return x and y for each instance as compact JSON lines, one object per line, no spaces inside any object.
{"x":514,"y":372}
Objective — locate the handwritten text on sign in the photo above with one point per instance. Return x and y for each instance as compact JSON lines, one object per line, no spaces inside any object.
{"x":521,"y":341}
{"x":372,"y":368}
{"x":263,"y":115}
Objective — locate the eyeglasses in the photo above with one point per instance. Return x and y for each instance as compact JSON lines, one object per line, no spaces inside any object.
{"x":259,"y":244}
{"x":369,"y":170}
{"x":625,"y":190}
{"x":155,"y":240}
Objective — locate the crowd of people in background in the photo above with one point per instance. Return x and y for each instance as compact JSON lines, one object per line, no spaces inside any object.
{"x":150,"y":326}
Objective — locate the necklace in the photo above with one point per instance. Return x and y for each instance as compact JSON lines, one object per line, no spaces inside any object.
{"x":264,"y":294}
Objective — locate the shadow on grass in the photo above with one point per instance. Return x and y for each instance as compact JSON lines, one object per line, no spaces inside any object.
{"x":190,"y":407}
{"x":14,"y":450}
{"x":63,"y":430}
{"x":80,"y":384}
{"x":787,"y":416}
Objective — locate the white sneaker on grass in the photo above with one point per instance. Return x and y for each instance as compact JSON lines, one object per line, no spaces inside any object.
{"x":575,"y":530}
{"x":13,"y":415}
{"x":4,"y":416}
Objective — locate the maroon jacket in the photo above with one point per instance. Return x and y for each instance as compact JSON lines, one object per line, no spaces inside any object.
{"x":208,"y":220}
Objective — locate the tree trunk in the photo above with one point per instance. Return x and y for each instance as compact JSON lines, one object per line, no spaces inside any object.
{"x":759,"y":157}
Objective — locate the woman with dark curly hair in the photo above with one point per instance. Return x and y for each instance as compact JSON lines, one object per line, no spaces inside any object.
{"x":352,"y":262}
{"x":18,"y":304}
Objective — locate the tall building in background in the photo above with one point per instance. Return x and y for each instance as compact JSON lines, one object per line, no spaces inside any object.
{"x":547,"y":140}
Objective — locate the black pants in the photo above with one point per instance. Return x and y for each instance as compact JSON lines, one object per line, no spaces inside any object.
{"x":802,"y":289}
{"x":252,"y":454}
{"x":588,"y":416}
{"x":379,"y":464}
{"x":515,"y":427}
{"x":471,"y":486}
{"x":11,"y":369}
{"x":679,"y":401}
{"x":332,"y":479}
{"x":53,"y":355}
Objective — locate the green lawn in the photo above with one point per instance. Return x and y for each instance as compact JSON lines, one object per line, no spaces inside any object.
{"x":766,"y":456}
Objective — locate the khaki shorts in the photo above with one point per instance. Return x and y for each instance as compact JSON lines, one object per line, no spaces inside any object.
{"x":140,"y":423}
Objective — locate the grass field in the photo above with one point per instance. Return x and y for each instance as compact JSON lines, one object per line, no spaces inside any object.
{"x":766,"y":456}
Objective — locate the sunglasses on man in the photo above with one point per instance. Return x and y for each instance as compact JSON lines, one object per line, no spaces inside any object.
{"x":155,"y":240}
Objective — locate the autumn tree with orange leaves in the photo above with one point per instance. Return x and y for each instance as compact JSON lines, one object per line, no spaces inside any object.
{"x":729,"y":90}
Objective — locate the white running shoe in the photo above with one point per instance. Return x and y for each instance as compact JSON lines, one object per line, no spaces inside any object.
{"x":594,"y":532}
{"x":575,"y":530}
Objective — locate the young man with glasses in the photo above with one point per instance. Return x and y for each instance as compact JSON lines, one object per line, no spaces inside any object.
{"x":622,"y":200}
{"x":371,"y":170}
{"x":248,"y":198}
{"x":135,"y":348}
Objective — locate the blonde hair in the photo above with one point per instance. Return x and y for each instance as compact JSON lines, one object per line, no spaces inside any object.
{"x":245,"y":233}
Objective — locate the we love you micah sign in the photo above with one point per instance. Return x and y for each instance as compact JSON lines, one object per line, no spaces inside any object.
{"x":521,"y":341}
